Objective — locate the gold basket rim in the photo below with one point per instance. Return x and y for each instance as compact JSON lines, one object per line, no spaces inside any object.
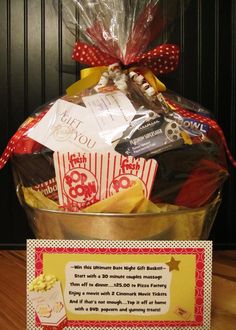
{"x":182,"y":210}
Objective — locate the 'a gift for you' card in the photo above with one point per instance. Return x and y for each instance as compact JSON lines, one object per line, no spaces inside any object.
{"x":71,"y":127}
{"x":67,"y":127}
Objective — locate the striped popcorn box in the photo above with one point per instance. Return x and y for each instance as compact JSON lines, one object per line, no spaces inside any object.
{"x":86,"y":178}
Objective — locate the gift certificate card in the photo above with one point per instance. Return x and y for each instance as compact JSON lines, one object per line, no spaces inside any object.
{"x":119,"y":284}
{"x":112,"y":111}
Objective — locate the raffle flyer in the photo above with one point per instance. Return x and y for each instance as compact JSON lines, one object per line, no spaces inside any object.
{"x":118,"y":284}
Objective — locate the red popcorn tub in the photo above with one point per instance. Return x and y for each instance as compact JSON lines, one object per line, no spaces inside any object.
{"x":120,"y":156}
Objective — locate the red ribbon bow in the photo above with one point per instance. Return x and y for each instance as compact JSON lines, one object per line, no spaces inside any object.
{"x":161,"y":59}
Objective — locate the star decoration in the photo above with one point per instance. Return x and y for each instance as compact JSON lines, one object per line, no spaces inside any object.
{"x":173,"y":264}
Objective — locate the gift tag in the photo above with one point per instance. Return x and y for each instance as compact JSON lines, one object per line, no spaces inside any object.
{"x":68,"y":127}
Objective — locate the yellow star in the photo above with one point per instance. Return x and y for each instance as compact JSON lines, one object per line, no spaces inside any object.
{"x":173,"y":264}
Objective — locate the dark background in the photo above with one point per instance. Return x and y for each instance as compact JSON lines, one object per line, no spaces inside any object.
{"x":36,"y":66}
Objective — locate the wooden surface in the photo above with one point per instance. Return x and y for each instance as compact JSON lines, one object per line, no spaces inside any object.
{"x":224,"y":291}
{"x":13,"y":290}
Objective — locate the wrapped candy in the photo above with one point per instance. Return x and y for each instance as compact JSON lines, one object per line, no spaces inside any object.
{"x":119,"y":132}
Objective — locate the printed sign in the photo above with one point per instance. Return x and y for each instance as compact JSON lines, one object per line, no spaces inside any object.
{"x":122,"y":284}
{"x":116,"y":290}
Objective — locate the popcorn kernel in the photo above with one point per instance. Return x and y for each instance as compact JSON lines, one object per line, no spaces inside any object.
{"x":42,"y":282}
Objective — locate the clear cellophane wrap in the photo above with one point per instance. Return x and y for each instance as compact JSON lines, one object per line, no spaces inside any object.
{"x":124,"y":44}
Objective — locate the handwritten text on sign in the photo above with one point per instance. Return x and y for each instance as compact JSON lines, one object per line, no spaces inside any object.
{"x":121,"y":288}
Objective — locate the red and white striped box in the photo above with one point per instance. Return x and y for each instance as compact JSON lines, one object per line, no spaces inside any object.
{"x":86,"y":178}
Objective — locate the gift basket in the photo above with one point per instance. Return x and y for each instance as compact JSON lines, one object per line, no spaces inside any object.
{"x":120,"y":156}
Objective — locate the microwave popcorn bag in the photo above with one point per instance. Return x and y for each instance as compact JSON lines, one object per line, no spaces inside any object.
{"x":119,"y":140}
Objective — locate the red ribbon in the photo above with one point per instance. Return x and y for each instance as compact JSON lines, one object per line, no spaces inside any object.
{"x":17,"y":137}
{"x":161,"y":59}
